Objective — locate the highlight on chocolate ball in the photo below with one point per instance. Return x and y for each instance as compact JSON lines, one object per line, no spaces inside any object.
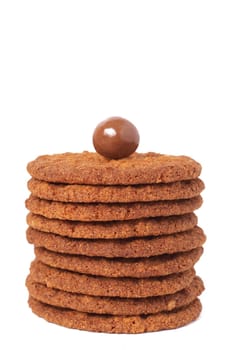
{"x":115,"y":138}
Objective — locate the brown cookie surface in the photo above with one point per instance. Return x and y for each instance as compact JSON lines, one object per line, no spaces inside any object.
{"x":114,"y":306}
{"x":114,"y":194}
{"x":117,"y":324}
{"x":120,"y":267}
{"x":124,"y":287}
{"x":117,"y":229}
{"x":93,"y":169}
{"x":119,"y":248}
{"x":111,"y":211}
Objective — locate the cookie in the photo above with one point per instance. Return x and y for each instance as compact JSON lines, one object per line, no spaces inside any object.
{"x":124,"y":287}
{"x":119,"y":267}
{"x":114,"y":306}
{"x":117,"y":229}
{"x":92,"y":169}
{"x":112,"y":211}
{"x":113,"y":194}
{"x":119,"y":248}
{"x":117,"y":324}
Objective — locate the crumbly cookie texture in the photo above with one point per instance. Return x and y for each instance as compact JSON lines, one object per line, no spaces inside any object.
{"x":92,"y":169}
{"x":113,"y":194}
{"x":114,"y":306}
{"x":106,"y":286}
{"x":117,"y":324}
{"x":119,"y":248}
{"x":111,"y":212}
{"x":116,"y":229}
{"x":139,"y":268}
{"x":115,"y":241}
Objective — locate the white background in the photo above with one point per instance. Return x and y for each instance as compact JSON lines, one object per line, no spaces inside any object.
{"x":165,"y":65}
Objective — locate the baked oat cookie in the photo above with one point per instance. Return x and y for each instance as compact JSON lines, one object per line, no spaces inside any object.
{"x":119,"y":248}
{"x":117,"y":324}
{"x":116,"y":229}
{"x":111,"y":211}
{"x":113,"y":194}
{"x":92,"y":169}
{"x":120,"y":267}
{"x":115,"y":236}
{"x":124,"y":287}
{"x":114,"y":306}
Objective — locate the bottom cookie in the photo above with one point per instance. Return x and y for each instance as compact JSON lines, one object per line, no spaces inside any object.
{"x":117,"y":324}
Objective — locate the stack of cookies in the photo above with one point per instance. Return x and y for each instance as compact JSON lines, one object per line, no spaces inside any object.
{"x":115,"y":241}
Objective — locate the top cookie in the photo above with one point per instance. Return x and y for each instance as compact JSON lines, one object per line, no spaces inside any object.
{"x":92,"y":169}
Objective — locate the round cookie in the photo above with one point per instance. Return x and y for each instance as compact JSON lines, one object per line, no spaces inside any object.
{"x":119,"y":248}
{"x":112,"y":211}
{"x":118,"y":229}
{"x":113,"y":194}
{"x":114,"y":306}
{"x":140,"y":268}
{"x":117,"y":324}
{"x":92,"y":169}
{"x":106,"y":286}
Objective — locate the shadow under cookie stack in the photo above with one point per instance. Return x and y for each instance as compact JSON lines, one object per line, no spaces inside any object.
{"x":115,"y":241}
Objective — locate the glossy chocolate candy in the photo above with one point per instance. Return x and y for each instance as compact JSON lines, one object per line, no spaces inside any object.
{"x":115,"y":138}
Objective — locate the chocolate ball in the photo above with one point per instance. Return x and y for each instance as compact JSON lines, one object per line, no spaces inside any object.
{"x":115,"y":138}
